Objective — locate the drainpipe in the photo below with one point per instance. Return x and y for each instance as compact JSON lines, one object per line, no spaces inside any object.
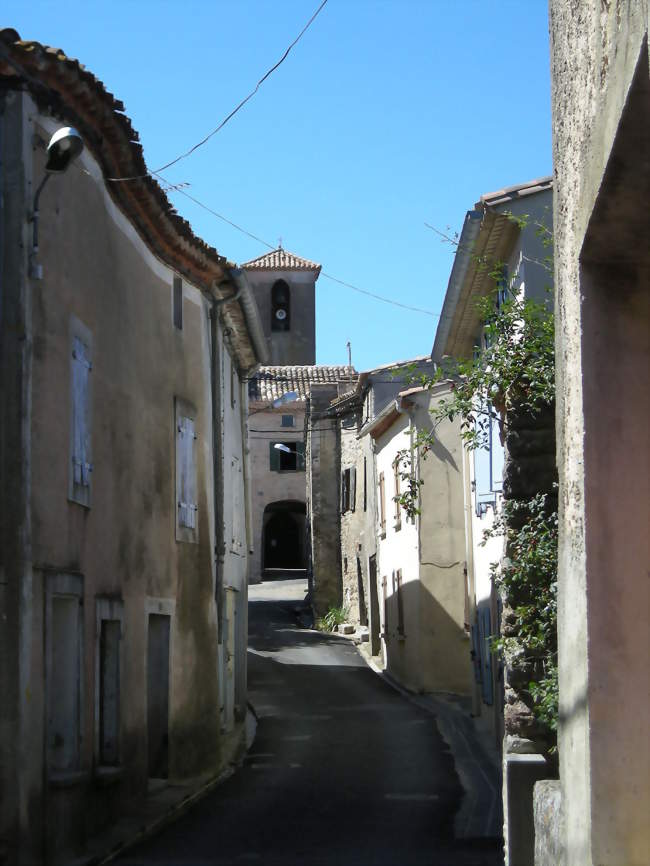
{"x":217,"y":456}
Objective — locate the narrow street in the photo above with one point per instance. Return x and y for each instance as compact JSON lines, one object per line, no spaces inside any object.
{"x":343,"y":768}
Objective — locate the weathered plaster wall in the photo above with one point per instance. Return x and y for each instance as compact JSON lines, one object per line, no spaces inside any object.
{"x":599,"y":67}
{"x":97,"y":270}
{"x":444,"y":643}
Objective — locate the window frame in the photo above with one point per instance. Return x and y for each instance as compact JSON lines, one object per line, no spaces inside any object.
{"x":298,"y":449}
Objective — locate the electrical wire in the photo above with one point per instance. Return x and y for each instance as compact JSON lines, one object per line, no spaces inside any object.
{"x":272,"y":247}
{"x":232,"y":113}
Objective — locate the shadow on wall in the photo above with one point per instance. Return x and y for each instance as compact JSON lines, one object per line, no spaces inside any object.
{"x":426,"y":649}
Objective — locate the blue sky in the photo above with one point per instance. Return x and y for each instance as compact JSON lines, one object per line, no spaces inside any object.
{"x":386,"y":115}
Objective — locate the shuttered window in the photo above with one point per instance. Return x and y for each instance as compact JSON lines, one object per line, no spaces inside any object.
{"x":348,"y":489}
{"x":382,"y":503}
{"x":290,"y":457}
{"x":186,"y":483}
{"x":80,"y":439}
{"x":398,"y":507}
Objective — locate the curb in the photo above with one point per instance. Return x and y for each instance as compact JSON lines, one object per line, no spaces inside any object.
{"x":177,"y":810}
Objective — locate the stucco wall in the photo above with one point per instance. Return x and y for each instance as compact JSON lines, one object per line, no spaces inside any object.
{"x":97,"y":271}
{"x":600,"y":147}
{"x":444,"y":641}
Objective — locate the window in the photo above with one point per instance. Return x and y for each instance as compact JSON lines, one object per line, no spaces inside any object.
{"x":80,"y":441}
{"x":108,"y":616}
{"x":287,"y":456}
{"x":280,"y":306}
{"x":382,"y":503}
{"x":177,"y":303}
{"x":64,"y":629}
{"x":186,"y":481}
{"x":398,"y":507}
{"x":288,"y":421}
{"x":348,"y":490}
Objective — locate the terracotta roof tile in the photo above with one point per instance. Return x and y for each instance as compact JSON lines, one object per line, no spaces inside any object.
{"x":281,"y":260}
{"x":269,"y":383}
{"x":63,"y":88}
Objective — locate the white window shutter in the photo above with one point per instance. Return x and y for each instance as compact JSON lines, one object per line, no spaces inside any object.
{"x":187,"y":505}
{"x":80,"y":433}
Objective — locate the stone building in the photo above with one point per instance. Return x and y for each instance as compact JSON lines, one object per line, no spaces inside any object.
{"x":126,"y":342}
{"x":517,"y":468}
{"x":600,"y":86}
{"x":284,"y":286}
{"x":276,"y":437}
{"x":342,"y":512}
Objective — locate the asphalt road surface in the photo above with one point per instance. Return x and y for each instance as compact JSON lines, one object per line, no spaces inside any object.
{"x":343,"y":769}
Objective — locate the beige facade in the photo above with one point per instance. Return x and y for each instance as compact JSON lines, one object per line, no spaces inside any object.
{"x":421,"y":561}
{"x":123,"y":420}
{"x":601,"y":104}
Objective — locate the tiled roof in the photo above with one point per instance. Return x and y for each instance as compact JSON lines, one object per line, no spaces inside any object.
{"x":63,"y":88}
{"x":511,"y":193}
{"x":269,"y":383}
{"x":281,"y":260}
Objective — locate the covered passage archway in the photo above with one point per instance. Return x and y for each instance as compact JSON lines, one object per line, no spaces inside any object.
{"x":283,"y":536}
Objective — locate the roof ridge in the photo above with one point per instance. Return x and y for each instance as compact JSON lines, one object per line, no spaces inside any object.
{"x":281,"y":260}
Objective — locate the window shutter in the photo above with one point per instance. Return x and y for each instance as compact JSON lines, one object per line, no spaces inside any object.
{"x":353,"y":488}
{"x":382,"y":502}
{"x":187,"y":505}
{"x":274,"y":457}
{"x":344,"y":491}
{"x":80,"y":428}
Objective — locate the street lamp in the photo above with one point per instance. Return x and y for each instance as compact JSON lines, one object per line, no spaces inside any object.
{"x":65,"y":146}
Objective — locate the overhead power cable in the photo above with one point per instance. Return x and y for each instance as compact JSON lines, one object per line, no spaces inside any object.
{"x":272,"y":247}
{"x":228,"y":117}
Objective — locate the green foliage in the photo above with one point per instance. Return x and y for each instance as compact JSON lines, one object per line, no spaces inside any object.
{"x":514,"y":367}
{"x":334,"y":617}
{"x":528,"y":577}
{"x":517,"y":365}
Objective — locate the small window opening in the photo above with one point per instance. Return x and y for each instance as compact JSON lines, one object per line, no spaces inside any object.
{"x":178,"y":303}
{"x":288,"y":421}
{"x":280,"y":306}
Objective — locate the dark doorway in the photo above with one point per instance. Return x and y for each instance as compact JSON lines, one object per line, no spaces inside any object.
{"x":375,"y":645}
{"x":284,"y":535}
{"x":158,"y":695}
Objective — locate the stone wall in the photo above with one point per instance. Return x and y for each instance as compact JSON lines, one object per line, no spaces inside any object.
{"x":323,"y":469}
{"x":353,"y":557}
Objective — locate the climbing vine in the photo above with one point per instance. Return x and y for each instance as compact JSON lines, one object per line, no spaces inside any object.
{"x":514,"y":368}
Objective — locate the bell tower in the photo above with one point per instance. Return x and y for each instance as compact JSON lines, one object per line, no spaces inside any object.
{"x":285,"y":290}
